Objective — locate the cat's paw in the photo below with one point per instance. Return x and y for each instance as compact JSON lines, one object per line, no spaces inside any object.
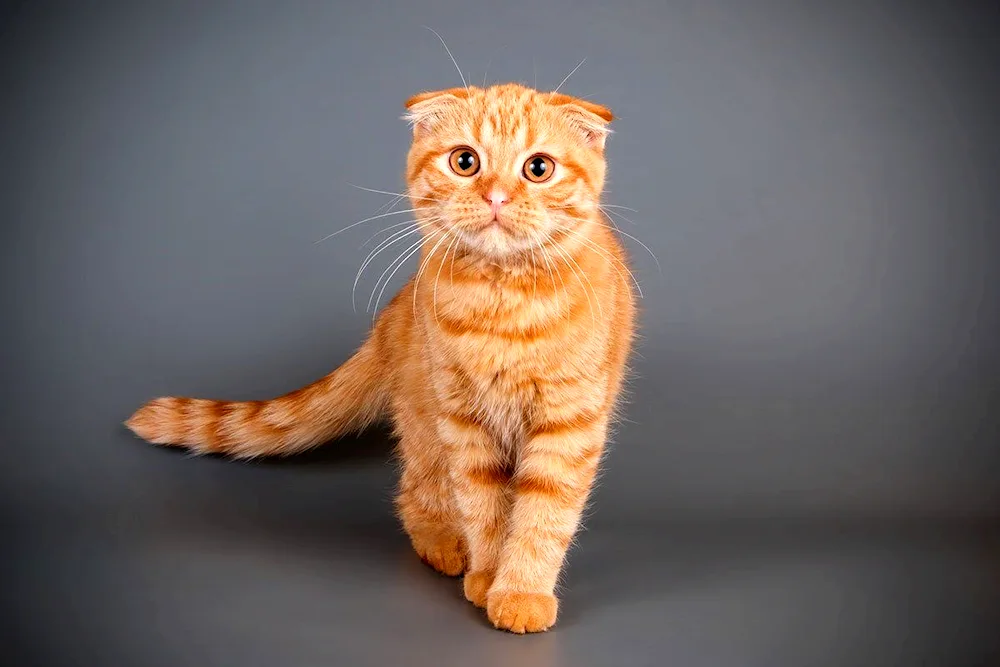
{"x":442,"y":551}
{"x":476,"y":586}
{"x":521,"y":612}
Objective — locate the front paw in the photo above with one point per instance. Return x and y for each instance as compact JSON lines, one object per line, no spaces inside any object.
{"x":521,"y":612}
{"x":476,"y":585}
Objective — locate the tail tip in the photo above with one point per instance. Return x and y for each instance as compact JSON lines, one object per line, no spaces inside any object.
{"x":152,"y":421}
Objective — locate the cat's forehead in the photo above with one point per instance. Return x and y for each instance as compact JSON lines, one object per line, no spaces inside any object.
{"x":509,"y":114}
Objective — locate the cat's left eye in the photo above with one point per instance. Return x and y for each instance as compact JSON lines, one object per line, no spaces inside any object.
{"x":539,"y":168}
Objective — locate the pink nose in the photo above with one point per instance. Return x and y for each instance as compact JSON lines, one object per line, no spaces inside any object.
{"x":496,"y":199}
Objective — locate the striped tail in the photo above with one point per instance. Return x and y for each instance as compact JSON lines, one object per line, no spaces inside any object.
{"x":348,"y":399}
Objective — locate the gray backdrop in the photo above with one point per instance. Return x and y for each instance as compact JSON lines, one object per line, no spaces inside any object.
{"x":818,"y":182}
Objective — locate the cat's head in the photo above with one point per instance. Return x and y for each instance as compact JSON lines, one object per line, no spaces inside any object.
{"x":504,"y":169}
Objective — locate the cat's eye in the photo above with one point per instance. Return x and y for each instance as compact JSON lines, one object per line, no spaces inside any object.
{"x":464,"y":161}
{"x":539,"y":168}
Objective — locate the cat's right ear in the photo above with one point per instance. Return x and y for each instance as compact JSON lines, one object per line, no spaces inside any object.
{"x":425,"y":109}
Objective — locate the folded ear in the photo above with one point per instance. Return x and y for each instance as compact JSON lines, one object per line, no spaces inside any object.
{"x":425,"y":109}
{"x":592,"y":120}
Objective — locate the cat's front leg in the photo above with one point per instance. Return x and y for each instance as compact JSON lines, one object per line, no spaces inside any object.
{"x":554,"y":475}
{"x":480,"y":479}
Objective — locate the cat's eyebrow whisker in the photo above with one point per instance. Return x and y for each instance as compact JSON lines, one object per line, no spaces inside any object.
{"x":449,"y":55}
{"x":368,"y":219}
{"x":573,"y":71}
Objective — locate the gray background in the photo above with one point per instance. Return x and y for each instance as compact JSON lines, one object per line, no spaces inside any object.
{"x":807,"y":473}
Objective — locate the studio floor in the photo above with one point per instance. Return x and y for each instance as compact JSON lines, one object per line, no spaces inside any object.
{"x":299,"y":564}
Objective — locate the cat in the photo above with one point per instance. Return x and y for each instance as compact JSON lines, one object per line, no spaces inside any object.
{"x":500,"y":363}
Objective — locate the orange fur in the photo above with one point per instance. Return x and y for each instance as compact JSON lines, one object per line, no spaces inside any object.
{"x":499,"y":363}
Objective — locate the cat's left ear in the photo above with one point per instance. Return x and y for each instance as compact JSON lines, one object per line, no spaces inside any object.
{"x":425,"y":109}
{"x":592,"y":120}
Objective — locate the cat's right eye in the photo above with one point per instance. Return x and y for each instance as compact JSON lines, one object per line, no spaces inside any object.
{"x":464,"y":161}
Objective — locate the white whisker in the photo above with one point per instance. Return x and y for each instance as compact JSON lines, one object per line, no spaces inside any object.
{"x":623,"y":233}
{"x":615,"y":262}
{"x":384,"y":230}
{"x":437,"y":277}
{"x":534,"y":275}
{"x":413,"y":249}
{"x":391,"y":204}
{"x":571,"y":263}
{"x":392,"y":240}
{"x":369,"y":219}
{"x":423,"y":265}
{"x":398,"y":194}
{"x":646,"y":247}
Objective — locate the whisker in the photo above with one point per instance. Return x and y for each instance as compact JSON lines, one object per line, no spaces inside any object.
{"x":534,"y":276}
{"x":398,"y":258}
{"x":384,"y":230}
{"x":369,"y":219}
{"x":415,"y":248}
{"x":423,"y":265}
{"x":390,"y":205}
{"x":548,"y":266}
{"x":646,"y":247}
{"x":434,"y":300}
{"x":615,"y":262}
{"x":571,"y":263}
{"x":623,"y":233}
{"x":449,"y":55}
{"x":615,"y":213}
{"x":392,"y":240}
{"x":398,"y":194}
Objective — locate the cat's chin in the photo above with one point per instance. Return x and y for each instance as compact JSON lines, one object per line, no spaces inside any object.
{"x":495,"y":242}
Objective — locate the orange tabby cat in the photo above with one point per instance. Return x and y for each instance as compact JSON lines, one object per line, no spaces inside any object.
{"x":499,"y":362}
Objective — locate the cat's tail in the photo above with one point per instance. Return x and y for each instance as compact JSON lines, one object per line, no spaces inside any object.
{"x":348,"y":399}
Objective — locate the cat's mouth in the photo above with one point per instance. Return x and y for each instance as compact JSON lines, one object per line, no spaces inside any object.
{"x":494,"y":236}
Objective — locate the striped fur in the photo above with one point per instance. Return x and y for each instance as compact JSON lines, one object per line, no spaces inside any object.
{"x":500,"y":362}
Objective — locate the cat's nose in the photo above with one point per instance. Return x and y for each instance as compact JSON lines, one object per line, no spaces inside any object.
{"x":495,"y":198}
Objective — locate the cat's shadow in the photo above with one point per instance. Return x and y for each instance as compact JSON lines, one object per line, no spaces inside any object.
{"x":334,"y":504}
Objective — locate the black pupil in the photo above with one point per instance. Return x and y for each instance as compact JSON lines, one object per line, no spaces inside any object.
{"x":538,"y":167}
{"x":466,"y":161}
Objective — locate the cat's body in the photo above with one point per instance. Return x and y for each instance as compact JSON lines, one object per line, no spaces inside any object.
{"x":499,"y":363}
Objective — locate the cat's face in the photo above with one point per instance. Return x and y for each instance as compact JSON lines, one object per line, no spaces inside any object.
{"x":504,"y":169}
